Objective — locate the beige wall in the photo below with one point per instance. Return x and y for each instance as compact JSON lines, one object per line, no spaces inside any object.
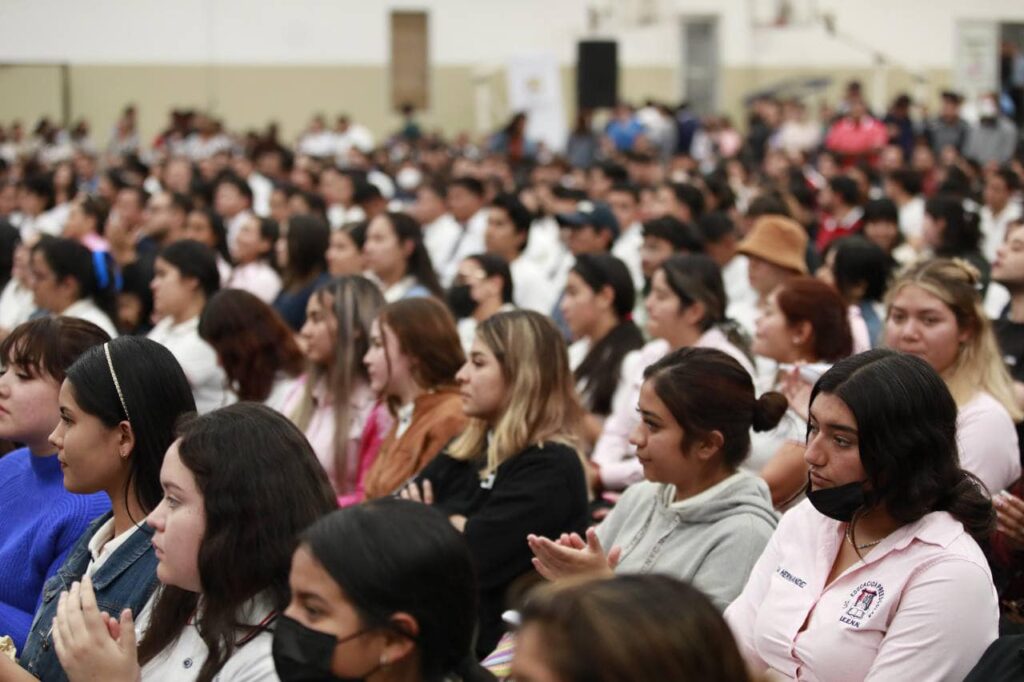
{"x":251,"y":96}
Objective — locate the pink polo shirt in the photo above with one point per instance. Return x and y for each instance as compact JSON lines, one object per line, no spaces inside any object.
{"x":920,"y":607}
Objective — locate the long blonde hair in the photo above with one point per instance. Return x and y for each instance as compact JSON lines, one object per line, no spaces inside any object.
{"x":354,"y":303}
{"x":979,"y":364}
{"x":540,"y":398}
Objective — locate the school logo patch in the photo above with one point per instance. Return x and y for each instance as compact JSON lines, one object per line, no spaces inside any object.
{"x":862,"y":603}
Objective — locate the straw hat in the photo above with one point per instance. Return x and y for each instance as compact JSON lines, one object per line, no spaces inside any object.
{"x":779,"y":240}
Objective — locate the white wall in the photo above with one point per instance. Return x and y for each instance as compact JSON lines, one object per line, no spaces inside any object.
{"x":914,"y":33}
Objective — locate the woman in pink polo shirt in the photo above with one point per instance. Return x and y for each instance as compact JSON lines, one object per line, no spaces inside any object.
{"x":878,"y":574}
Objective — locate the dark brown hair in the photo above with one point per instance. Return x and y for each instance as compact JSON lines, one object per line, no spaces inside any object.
{"x":633,"y":627}
{"x":805,"y":299}
{"x":49,"y":345}
{"x":262,"y":485}
{"x":427,"y":333}
{"x":707,"y":390}
{"x":252,"y":341}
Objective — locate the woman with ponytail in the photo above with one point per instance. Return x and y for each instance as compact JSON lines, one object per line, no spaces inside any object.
{"x":69,"y":280}
{"x":698,"y":516}
{"x":597,"y":306}
{"x":878,"y":574}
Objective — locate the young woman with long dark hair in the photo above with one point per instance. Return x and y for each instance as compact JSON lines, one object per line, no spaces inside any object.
{"x":213,"y":613}
{"x":860,"y":580}
{"x":395,"y":254}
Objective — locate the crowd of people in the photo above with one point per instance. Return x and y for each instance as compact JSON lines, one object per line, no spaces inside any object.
{"x":675,"y":402}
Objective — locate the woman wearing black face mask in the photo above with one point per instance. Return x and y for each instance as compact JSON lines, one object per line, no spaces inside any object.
{"x":381,"y":591}
{"x":481,"y":288}
{"x":878,"y":574}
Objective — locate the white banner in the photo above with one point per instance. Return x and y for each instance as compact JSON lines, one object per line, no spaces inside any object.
{"x":535,"y":88}
{"x":976,"y":61}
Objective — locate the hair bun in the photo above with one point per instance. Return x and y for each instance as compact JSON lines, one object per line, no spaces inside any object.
{"x":768,"y":411}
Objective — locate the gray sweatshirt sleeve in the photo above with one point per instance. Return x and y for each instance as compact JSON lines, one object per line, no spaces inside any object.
{"x":727,"y":566}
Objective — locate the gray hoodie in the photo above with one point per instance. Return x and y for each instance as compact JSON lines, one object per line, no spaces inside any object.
{"x":711,"y":540}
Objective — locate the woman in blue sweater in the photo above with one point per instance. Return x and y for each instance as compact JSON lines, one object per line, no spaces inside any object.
{"x":118,"y":408}
{"x":41,"y":520}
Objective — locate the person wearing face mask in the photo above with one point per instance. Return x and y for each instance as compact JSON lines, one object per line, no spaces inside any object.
{"x":994,"y":137}
{"x":383,"y":591}
{"x":878,"y":574}
{"x":482,"y":287}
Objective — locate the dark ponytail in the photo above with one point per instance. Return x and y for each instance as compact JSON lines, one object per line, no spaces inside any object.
{"x":962,"y":232}
{"x":707,"y":390}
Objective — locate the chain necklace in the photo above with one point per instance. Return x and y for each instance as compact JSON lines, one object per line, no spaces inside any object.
{"x":849,"y":538}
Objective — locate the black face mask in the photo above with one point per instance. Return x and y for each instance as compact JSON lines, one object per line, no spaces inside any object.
{"x":839,"y":502}
{"x":460,"y":301}
{"x":305,"y":655}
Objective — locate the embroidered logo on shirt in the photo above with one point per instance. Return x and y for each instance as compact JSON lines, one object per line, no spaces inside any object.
{"x":862,"y":603}
{"x":786,"y":575}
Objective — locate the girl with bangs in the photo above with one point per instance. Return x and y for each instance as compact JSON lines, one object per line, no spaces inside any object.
{"x":515,"y":470}
{"x":35,"y":538}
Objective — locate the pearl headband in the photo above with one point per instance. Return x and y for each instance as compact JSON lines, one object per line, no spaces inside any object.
{"x":117,"y":384}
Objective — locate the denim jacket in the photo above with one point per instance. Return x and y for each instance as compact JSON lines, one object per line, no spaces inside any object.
{"x":125,"y":580}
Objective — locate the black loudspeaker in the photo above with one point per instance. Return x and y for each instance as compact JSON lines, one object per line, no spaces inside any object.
{"x":597,"y":74}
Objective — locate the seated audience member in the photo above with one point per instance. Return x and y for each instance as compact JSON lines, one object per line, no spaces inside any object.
{"x":412,"y":361}
{"x":952,"y":231}
{"x":515,"y":469}
{"x":257,"y":350}
{"x":185,"y":278}
{"x":397,"y":597}
{"x":698,"y":516}
{"x":804,"y":324}
{"x":721,"y":242}
{"x":686,"y":307}
{"x":634,"y":627}
{"x":118,"y":408}
{"x":397,"y":260}
{"x":345,"y":251}
{"x":254,"y":248}
{"x":934,"y":312}
{"x":299,"y":252}
{"x":859,"y":270}
{"x":440,"y":230}
{"x":508,"y":233}
{"x":858,"y":581}
{"x":35,"y":537}
{"x":624,"y":201}
{"x":842,"y":214}
{"x":206,"y":227}
{"x":882,"y":227}
{"x":664,"y":237}
{"x":70,"y":280}
{"x":17,"y":301}
{"x":482,"y":287}
{"x":597,"y":306}
{"x":214,"y":604}
{"x":332,"y":402}
{"x":85,"y":222}
{"x":467,"y":203}
{"x":775,"y":248}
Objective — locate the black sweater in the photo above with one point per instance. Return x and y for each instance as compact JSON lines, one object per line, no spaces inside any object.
{"x":542,"y":490}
